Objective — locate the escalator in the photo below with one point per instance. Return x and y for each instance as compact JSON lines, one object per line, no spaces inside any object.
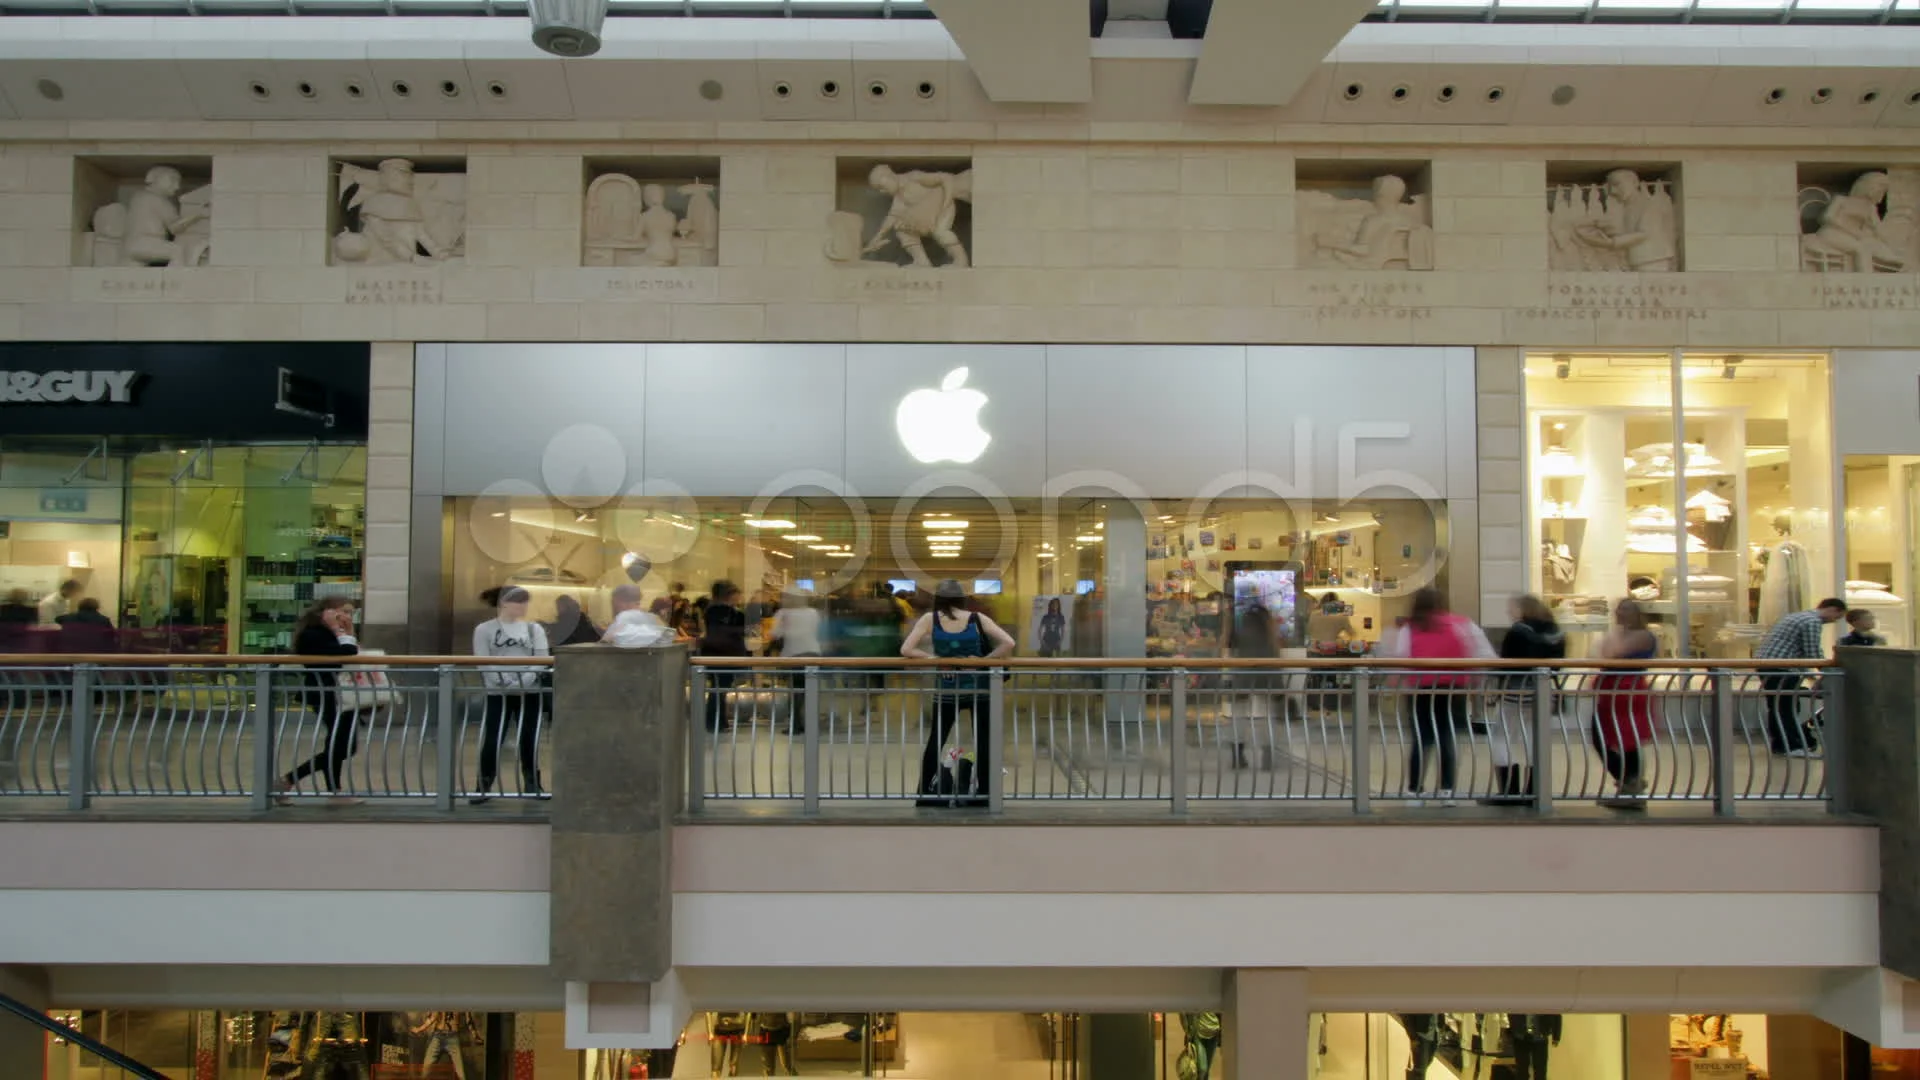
{"x":98,"y":1049}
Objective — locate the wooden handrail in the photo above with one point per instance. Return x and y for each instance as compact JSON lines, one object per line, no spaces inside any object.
{"x":891,"y":663}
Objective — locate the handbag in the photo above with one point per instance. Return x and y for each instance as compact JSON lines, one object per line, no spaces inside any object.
{"x":365,"y":689}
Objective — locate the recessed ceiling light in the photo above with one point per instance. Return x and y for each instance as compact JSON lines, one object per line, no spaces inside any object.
{"x":800,"y":538}
{"x":769,"y":523}
{"x":1089,"y":539}
{"x":946,"y":555}
{"x":824,"y":547}
{"x":944,"y":523}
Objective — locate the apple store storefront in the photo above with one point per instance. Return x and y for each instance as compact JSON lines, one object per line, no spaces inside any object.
{"x":1096,"y":500}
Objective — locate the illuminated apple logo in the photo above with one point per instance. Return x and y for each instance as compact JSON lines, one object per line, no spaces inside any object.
{"x":944,"y":424}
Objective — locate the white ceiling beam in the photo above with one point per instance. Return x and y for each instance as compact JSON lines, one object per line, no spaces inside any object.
{"x":1261,"y":52}
{"x":1024,"y":50}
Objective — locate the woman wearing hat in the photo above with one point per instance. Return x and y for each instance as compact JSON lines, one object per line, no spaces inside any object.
{"x":956,"y":633}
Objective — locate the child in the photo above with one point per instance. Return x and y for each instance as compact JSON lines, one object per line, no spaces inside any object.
{"x":1861,"y":623}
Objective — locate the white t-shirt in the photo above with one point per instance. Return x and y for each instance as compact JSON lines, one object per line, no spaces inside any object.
{"x":798,"y":630}
{"x":52,"y":606}
{"x":496,"y":638}
{"x":636,"y":629}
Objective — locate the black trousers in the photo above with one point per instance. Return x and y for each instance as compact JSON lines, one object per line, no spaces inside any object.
{"x":341,"y":740}
{"x":1623,"y":765}
{"x":1785,"y":732}
{"x":525,"y":711}
{"x":718,"y":684}
{"x":1530,"y":1058}
{"x":1436,"y":716}
{"x":1423,"y":1041}
{"x":946,"y":715}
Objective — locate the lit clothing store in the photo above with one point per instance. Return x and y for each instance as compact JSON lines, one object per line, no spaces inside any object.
{"x":1095,"y":500}
{"x":184,"y":498}
{"x":1701,"y":485}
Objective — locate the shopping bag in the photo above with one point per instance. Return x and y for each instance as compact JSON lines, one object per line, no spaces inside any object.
{"x":365,"y":689}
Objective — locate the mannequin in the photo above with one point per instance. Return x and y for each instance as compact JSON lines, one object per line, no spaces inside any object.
{"x":1532,"y":1035}
{"x":446,"y":1034}
{"x":337,"y":1049}
{"x":1785,"y":587}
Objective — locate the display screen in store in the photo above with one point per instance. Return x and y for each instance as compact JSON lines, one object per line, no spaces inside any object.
{"x":901,"y":585}
{"x":987,"y":587}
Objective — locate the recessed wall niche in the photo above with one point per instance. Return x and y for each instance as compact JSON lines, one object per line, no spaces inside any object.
{"x":142,"y":211}
{"x":1617,"y":216}
{"x":396,"y":211}
{"x":902,"y":211}
{"x":651,"y":212}
{"x":1364,"y":215}
{"x":1859,"y":219}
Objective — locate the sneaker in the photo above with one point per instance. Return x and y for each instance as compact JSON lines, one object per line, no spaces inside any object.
{"x":1635,"y":787}
{"x":282,"y":793}
{"x":1795,"y":754}
{"x":480,"y":800}
{"x":1447,"y":799}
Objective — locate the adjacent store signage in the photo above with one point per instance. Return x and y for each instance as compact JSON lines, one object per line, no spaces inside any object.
{"x":229,"y":391}
{"x":61,"y":387}
{"x":63,"y":501}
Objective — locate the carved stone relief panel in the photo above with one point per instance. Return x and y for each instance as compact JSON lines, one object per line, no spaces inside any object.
{"x":904,"y":213}
{"x":1615,"y":219}
{"x":1354,"y":217}
{"x":397,"y":212}
{"x":1860,"y":220}
{"x":143,"y":213}
{"x":659,"y":213}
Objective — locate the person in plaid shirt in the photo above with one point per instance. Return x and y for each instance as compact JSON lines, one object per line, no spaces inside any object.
{"x":1795,"y":637}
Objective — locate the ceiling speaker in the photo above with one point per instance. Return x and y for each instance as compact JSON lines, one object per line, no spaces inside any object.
{"x":568,"y":28}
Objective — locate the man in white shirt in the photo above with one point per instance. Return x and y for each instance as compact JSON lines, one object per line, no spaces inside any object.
{"x":55,"y":604}
{"x":633,"y":628}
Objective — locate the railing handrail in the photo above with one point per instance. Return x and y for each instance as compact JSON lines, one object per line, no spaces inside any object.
{"x":1195,"y":664}
{"x":894,"y":663}
{"x":230,"y":660}
{"x":92,"y":1046}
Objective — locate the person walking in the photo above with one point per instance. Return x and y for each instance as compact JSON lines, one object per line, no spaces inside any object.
{"x":1794,"y":637}
{"x":796,"y":633}
{"x":325,"y":629}
{"x":955,"y":633}
{"x":1534,"y":635}
{"x":1251,"y":692}
{"x":513,"y":693}
{"x":725,"y":635}
{"x":1437,"y":698}
{"x":1623,"y":702}
{"x":631,"y":627}
{"x":570,"y":625}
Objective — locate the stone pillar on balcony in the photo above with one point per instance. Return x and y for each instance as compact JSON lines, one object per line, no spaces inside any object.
{"x":1264,"y":1024}
{"x":23,"y":1047}
{"x":1879,"y":751}
{"x":617,"y":770}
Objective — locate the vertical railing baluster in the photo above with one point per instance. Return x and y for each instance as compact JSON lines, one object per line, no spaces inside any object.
{"x":80,"y":750}
{"x":1360,"y":769}
{"x":1542,"y":722}
{"x":811,"y":766}
{"x":1832,"y":736}
{"x":263,"y":733}
{"x":995,"y":742}
{"x":446,"y":739}
{"x":696,"y":740}
{"x":1177,"y":741}
{"x":1720,"y":746}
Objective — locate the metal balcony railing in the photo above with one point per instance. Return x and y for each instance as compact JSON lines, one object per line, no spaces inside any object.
{"x":1717,"y":736}
{"x":423,"y":729}
{"x":1720,"y":736}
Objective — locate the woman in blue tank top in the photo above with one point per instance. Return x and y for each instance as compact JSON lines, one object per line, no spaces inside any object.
{"x":956,"y":634}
